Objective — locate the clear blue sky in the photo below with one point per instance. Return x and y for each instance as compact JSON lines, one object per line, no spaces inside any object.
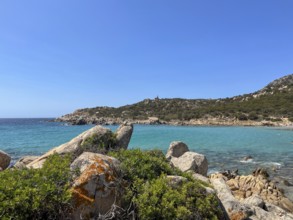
{"x":57,"y":56}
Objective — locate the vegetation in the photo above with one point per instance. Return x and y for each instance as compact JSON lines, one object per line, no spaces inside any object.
{"x":151,"y":195}
{"x":45,"y":193}
{"x":99,"y":143}
{"x":273,"y":101}
{"x":37,"y":193}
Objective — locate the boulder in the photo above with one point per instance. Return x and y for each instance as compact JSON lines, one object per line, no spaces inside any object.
{"x":254,"y":200}
{"x":22,"y":162}
{"x":79,"y":144}
{"x":200,"y":177}
{"x":234,"y":209}
{"x":123,"y":135}
{"x":98,"y":188}
{"x":191,"y":161}
{"x":278,"y":212}
{"x":176,"y":181}
{"x":4,"y":160}
{"x":176,"y":149}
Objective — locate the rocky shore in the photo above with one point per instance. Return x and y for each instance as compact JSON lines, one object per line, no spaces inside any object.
{"x":77,"y":119}
{"x":97,"y":187}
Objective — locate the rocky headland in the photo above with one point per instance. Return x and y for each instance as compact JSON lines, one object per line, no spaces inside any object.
{"x":270,"y":106}
{"x":99,"y":186}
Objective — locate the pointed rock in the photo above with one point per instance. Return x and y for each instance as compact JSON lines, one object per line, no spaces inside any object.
{"x":176,"y":149}
{"x":87,"y":141}
{"x":123,"y":135}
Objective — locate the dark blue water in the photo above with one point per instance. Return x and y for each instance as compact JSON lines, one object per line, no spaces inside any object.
{"x":224,"y":147}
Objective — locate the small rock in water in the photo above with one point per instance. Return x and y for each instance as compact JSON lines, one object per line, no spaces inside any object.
{"x":247,"y":158}
{"x":287,"y":183}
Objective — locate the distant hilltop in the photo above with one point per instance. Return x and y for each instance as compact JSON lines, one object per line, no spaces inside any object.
{"x":272,"y":105}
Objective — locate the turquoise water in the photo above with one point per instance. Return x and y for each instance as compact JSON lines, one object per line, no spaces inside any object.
{"x":224,"y":147}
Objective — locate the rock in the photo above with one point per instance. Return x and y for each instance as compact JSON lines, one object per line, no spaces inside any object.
{"x":286,"y":204}
{"x":246,"y":158}
{"x":153,"y":121}
{"x":77,"y":145}
{"x":79,"y":121}
{"x":279,"y":212}
{"x":176,"y":180}
{"x":200,"y":177}
{"x":98,"y":188}
{"x":254,"y":200}
{"x":22,"y":162}
{"x":191,"y":161}
{"x":261,"y":171}
{"x":234,"y":209}
{"x":123,"y":135}
{"x":176,"y":149}
{"x":4,"y":160}
{"x":260,"y":214}
{"x":230,"y":174}
{"x":210,"y":190}
{"x":287,"y":183}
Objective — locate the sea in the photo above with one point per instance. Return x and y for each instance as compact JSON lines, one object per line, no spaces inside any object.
{"x":224,"y":147}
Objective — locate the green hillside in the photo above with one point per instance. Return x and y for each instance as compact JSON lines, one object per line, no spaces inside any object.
{"x":273,"y":102}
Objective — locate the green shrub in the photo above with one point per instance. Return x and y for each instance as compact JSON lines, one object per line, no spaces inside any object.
{"x":160,"y":200}
{"x":253,"y":116}
{"x":146,"y":165}
{"x":242,"y":117}
{"x":37,"y":193}
{"x":152,"y":197}
{"x":291,"y":119}
{"x":99,"y":143}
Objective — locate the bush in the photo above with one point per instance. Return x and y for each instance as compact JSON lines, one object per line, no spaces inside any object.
{"x":149,"y":194}
{"x":160,"y":200}
{"x":37,"y":193}
{"x":99,"y":143}
{"x":242,"y":117}
{"x":253,"y":116}
{"x":146,"y":165}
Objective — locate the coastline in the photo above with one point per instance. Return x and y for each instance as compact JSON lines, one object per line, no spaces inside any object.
{"x":211,"y":121}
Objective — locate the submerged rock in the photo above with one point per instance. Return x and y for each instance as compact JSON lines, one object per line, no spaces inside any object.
{"x":99,"y":186}
{"x":176,"y":149}
{"x":4,"y":160}
{"x":246,"y":158}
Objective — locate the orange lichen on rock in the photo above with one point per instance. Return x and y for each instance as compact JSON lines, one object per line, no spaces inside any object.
{"x":98,"y":184}
{"x":238,"y":216}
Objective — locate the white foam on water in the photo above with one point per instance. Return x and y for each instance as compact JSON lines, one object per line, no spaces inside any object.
{"x":273,"y":164}
{"x":248,"y":161}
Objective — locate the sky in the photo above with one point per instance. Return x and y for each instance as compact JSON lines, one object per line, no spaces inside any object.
{"x":59,"y":56}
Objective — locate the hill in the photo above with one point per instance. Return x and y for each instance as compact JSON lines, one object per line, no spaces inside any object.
{"x":272,"y":105}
